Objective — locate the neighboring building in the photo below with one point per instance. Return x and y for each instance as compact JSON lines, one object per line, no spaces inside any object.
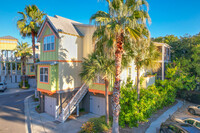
{"x":64,"y":44}
{"x":10,"y":66}
{"x":164,"y":60}
{"x":30,"y":71}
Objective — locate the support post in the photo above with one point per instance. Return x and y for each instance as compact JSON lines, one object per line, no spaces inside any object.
{"x":0,"y":67}
{"x":15,"y":68}
{"x":11,"y":68}
{"x":5,"y":69}
{"x":77,"y":110}
{"x":163,"y":62}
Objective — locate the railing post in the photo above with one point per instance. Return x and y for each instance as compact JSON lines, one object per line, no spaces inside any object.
{"x":56,"y":113}
{"x":63,"y":116}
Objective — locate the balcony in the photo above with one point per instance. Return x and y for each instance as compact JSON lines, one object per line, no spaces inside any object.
{"x":99,"y":88}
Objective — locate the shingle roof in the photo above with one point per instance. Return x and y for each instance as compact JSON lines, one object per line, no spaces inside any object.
{"x":65,"y":25}
{"x":8,"y":37}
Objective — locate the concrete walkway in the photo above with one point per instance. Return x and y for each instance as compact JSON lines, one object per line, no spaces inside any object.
{"x":44,"y":123}
{"x":156,"y":124}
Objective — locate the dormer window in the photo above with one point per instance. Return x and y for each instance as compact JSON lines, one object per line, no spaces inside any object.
{"x":49,"y":43}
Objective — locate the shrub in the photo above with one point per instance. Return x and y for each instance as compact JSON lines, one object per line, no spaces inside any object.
{"x":87,"y":127}
{"x":151,"y":99}
{"x":95,"y":125}
{"x":26,"y":84}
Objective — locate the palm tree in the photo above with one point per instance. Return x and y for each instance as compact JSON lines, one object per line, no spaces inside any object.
{"x":145,"y":55}
{"x":23,"y":51}
{"x":30,"y":24}
{"x":97,"y":64}
{"x":123,"y":20}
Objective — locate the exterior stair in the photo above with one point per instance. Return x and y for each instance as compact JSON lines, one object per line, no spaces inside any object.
{"x":72,"y":105}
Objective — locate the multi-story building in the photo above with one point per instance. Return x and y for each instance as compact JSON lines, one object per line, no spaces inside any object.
{"x":164,"y":59}
{"x":30,"y":71}
{"x":10,"y":66}
{"x":63,"y":45}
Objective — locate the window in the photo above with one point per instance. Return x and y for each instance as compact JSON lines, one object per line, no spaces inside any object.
{"x":129,"y":72}
{"x":49,"y":43}
{"x":44,"y":74}
{"x":31,"y":68}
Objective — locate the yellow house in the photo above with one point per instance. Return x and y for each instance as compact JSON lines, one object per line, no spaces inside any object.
{"x":10,"y":67}
{"x":63,"y":45}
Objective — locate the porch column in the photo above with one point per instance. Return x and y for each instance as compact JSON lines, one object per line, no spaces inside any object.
{"x":163,"y":62}
{"x":6,"y":54}
{"x":5,"y":69}
{"x":0,"y":67}
{"x":77,"y":110}
{"x":60,"y":96}
{"x":1,"y":54}
{"x":10,"y":68}
{"x":15,"y":68}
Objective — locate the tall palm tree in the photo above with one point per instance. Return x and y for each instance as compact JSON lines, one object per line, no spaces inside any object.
{"x":23,"y":51}
{"x":29,"y":25}
{"x":145,"y":55}
{"x":124,"y":19}
{"x":97,"y":64}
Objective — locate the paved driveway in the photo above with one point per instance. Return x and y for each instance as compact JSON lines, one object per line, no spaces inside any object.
{"x":12,"y":117}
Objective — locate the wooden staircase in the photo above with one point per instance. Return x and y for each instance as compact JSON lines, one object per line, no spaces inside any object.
{"x":72,"y":105}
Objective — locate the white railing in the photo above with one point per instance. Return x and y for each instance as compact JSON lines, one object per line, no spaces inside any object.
{"x":71,"y":106}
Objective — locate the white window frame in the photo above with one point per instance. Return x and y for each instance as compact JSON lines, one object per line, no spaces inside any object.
{"x":49,"y":43}
{"x":43,"y":75}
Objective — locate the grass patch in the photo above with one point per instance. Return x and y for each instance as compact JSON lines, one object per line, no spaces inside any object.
{"x":96,"y":125}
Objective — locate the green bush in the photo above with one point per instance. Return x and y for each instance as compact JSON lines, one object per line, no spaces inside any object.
{"x":26,"y":84}
{"x":151,"y":99}
{"x":95,"y":125}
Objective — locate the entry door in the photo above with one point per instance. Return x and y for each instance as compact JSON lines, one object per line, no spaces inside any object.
{"x":97,"y":105}
{"x":50,"y":104}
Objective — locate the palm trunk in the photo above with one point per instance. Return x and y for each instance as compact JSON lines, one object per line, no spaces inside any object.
{"x":23,"y":71}
{"x":34,"y":60}
{"x":116,"y":89}
{"x":107,"y":100}
{"x":138,"y":83}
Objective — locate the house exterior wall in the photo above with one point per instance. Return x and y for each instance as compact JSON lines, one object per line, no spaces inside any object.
{"x":28,"y":70}
{"x":124,"y":73}
{"x":69,"y":78}
{"x":52,"y":85}
{"x":48,"y":55}
{"x":88,"y":44}
{"x":70,"y":48}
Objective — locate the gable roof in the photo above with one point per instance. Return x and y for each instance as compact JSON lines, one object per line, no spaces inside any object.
{"x":8,"y":37}
{"x":61,"y":24}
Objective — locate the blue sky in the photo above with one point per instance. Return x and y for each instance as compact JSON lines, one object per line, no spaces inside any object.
{"x":176,"y":17}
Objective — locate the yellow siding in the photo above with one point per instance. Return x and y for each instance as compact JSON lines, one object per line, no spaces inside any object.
{"x":8,"y":46}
